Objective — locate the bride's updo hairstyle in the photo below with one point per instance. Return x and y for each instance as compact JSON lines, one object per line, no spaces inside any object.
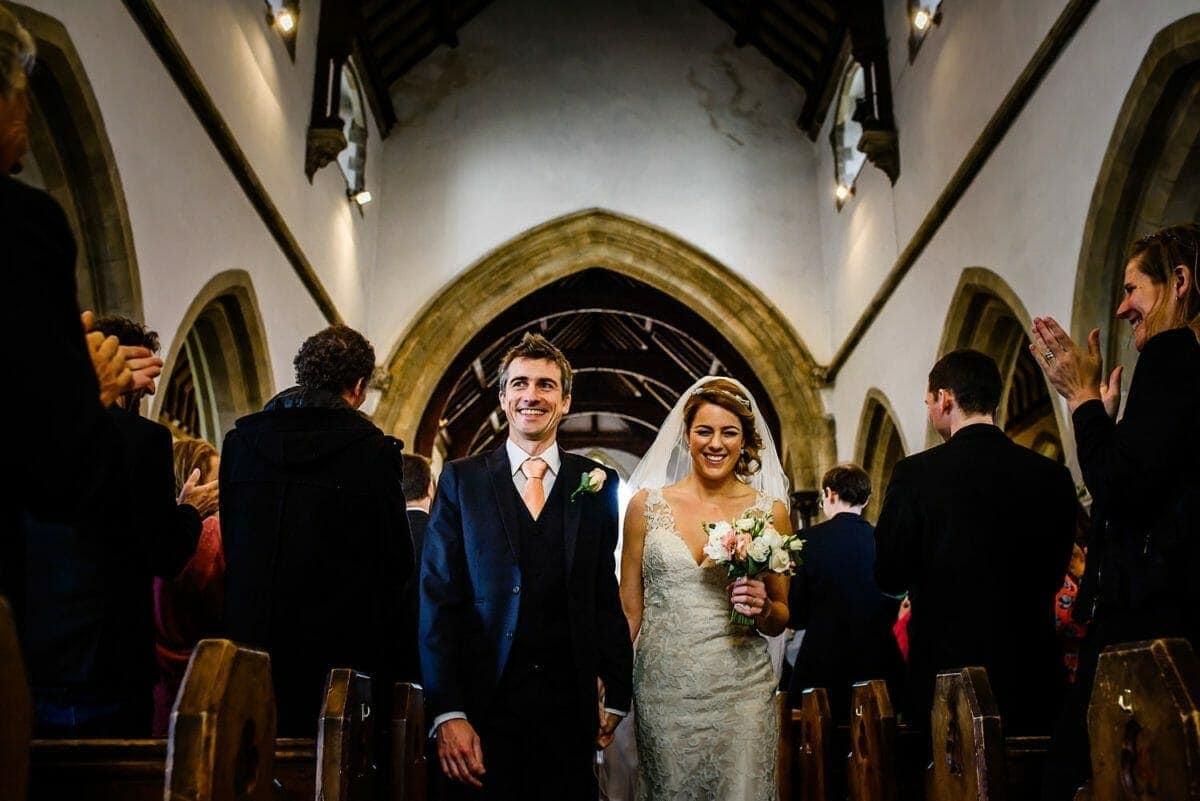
{"x":730,"y":397}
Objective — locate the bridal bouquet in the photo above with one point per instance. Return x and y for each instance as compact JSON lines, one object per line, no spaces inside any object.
{"x":748,"y":546}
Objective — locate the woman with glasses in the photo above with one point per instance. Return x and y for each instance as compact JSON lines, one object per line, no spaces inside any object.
{"x":1143,"y":471}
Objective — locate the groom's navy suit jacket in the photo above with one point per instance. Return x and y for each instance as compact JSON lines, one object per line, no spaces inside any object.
{"x":471,"y":586}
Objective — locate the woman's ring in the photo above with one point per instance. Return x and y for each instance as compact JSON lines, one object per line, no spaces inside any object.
{"x":1048,"y":354}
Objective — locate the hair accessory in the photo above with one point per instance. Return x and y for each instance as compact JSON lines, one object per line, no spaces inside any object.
{"x":718,"y":391}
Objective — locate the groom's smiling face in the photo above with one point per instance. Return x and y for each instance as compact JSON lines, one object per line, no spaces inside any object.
{"x":533,"y":400}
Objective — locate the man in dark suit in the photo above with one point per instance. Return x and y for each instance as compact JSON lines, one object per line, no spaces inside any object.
{"x":89,"y":617}
{"x":519,"y":608}
{"x":847,"y":621}
{"x":418,"y":495}
{"x":979,"y":532}
{"x":316,"y":541}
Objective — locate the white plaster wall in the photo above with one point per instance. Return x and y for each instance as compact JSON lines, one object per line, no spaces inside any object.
{"x":267,"y":101}
{"x":190,"y":219}
{"x":1023,"y":217}
{"x":942,"y":101}
{"x":642,"y":108}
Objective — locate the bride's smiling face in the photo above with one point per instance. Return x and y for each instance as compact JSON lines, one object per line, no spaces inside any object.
{"x":715,"y":441}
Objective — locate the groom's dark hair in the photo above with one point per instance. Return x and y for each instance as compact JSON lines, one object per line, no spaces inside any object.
{"x":536,"y":346}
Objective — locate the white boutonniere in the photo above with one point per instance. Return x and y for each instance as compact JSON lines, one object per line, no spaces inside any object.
{"x":590,"y":482}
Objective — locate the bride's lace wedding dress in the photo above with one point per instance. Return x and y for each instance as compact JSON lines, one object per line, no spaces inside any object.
{"x":703,"y":687}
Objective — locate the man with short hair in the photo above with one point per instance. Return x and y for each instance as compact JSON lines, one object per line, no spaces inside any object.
{"x":978,"y":531}
{"x":418,"y":495}
{"x":519,"y":608}
{"x":316,"y":541}
{"x":847,"y":621}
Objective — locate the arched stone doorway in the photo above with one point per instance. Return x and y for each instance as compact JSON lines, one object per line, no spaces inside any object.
{"x":1150,"y":178}
{"x":750,"y":324}
{"x":880,"y":445}
{"x":987,"y":315}
{"x":71,"y":158}
{"x":218,"y":368}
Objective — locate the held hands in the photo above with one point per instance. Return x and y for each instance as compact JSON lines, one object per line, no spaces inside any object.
{"x":608,"y":721}
{"x":1074,"y":373}
{"x":460,"y":753}
{"x":608,"y":729}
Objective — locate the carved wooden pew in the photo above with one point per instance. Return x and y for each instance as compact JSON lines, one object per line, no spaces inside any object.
{"x":810,"y":757}
{"x":409,"y":770}
{"x":16,"y":711}
{"x":871,"y":765}
{"x":1144,"y":723}
{"x":968,"y":742}
{"x":346,"y":767}
{"x":222,"y":745}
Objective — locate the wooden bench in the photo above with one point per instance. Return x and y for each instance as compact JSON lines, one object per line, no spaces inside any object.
{"x":410,"y":778}
{"x":346,"y":766}
{"x":16,"y":719}
{"x":1144,"y":723}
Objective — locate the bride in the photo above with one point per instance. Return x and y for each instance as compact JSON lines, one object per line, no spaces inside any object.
{"x":705,"y":723}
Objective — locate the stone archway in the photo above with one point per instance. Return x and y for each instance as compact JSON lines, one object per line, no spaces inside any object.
{"x":218,"y":367}
{"x":987,"y":315}
{"x":598,"y":238}
{"x":879,"y":446}
{"x":1150,"y":177}
{"x":75,"y":164}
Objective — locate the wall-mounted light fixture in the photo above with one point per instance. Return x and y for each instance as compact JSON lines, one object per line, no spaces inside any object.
{"x":284,"y":17}
{"x":285,"y":20}
{"x":843,"y":193}
{"x":923,"y":15}
{"x":362,"y":197}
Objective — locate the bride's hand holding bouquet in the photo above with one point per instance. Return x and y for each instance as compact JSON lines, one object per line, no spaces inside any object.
{"x":749,"y":546}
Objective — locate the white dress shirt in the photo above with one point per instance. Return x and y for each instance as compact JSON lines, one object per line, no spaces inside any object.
{"x":552,"y":456}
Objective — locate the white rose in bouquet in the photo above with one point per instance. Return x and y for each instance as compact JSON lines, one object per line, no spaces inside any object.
{"x":781,"y":560}
{"x":772,"y":538}
{"x":745,"y":523}
{"x":758,"y":550}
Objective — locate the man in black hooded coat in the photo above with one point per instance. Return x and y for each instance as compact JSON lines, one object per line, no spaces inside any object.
{"x":315,"y":534}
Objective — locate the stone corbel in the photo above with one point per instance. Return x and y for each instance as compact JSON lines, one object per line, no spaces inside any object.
{"x":321,"y":148}
{"x":882,"y":148}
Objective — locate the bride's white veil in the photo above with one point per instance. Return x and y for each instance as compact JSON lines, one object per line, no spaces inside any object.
{"x":667,"y":461}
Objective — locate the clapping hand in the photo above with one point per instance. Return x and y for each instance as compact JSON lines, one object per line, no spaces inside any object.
{"x":119,"y":368}
{"x":1074,"y":373}
{"x":204,"y":497}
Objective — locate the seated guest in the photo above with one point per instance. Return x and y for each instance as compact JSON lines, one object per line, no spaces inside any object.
{"x":317,"y":548}
{"x":418,"y":495}
{"x":187,"y":608}
{"x":847,"y":620}
{"x":978,"y":531}
{"x":89,"y":593}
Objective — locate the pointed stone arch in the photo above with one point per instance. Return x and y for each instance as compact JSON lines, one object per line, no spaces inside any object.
{"x":1150,"y":177}
{"x":218,"y":367}
{"x":879,"y":446}
{"x":599,"y":238}
{"x":69,"y":142}
{"x":987,"y":315}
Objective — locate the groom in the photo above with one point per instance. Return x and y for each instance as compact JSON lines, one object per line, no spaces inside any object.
{"x":519,"y":608}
